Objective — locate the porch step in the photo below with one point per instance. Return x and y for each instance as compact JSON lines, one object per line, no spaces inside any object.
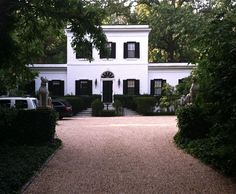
{"x":108,"y":106}
{"x":85,"y":113}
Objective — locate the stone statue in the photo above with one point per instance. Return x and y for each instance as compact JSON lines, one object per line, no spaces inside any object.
{"x":43,"y":93}
{"x":191,"y":96}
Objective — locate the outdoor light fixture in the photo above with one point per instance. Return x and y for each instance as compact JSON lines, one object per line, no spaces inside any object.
{"x":96,"y":82}
{"x":119,"y":82}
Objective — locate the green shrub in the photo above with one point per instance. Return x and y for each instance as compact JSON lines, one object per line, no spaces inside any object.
{"x":211,"y":150}
{"x":97,"y":107}
{"x":19,"y":163}
{"x":28,"y":126}
{"x":36,"y":126}
{"x":76,"y":102}
{"x":118,"y":107}
{"x":126,"y":101}
{"x":108,"y":113}
{"x":193,"y":122}
{"x":8,"y":118}
{"x":89,"y":99}
{"x":145,"y":104}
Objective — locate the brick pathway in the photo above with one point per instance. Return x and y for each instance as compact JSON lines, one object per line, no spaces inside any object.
{"x":124,"y":155}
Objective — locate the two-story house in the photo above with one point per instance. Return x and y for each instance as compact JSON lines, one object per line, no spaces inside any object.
{"x":125,"y":71}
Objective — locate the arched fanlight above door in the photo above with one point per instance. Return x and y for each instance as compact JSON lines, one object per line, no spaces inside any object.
{"x":107,"y":74}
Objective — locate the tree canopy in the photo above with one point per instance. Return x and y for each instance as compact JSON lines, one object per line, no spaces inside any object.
{"x":25,"y":27}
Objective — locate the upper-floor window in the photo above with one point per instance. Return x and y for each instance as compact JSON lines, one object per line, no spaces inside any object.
{"x":131,"y":50}
{"x":84,"y":52}
{"x":111,"y":47}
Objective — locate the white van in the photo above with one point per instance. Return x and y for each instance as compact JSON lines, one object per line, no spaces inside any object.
{"x":19,"y":102}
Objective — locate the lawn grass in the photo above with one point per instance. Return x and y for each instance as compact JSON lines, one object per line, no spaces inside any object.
{"x":19,"y":163}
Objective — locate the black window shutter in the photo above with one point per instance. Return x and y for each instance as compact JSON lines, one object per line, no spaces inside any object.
{"x":125,"y":50}
{"x":113,"y":50}
{"x":152,"y":87}
{"x":90,"y":88}
{"x":61,"y":88}
{"x":137,"y":52}
{"x":136,"y":87}
{"x":77,"y":87}
{"x":125,"y":87}
{"x":50,"y":88}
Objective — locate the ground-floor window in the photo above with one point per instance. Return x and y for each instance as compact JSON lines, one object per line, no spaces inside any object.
{"x":56,"y":87}
{"x":83,"y":87}
{"x":156,"y":86}
{"x":131,"y":87}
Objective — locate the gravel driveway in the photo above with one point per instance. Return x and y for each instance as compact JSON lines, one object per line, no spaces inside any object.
{"x":124,"y":155}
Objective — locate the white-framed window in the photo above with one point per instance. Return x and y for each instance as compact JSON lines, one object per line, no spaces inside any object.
{"x":111,"y":46}
{"x":156,"y":86}
{"x":131,"y":50}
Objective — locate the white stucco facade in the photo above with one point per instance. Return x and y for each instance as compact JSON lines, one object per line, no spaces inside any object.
{"x":128,"y":40}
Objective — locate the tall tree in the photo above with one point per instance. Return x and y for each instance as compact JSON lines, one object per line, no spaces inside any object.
{"x":117,"y":11}
{"x":174,"y":25}
{"x":24,"y":27}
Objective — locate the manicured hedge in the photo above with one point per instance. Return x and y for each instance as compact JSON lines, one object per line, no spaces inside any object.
{"x":19,"y":163}
{"x":108,"y":113}
{"x":193,"y":122}
{"x":89,"y":99}
{"x":80,"y":103}
{"x":27,"y":126}
{"x":76,"y":102}
{"x":145,"y":105}
{"x":118,"y":108}
{"x":97,"y":107}
{"x":127,"y":101}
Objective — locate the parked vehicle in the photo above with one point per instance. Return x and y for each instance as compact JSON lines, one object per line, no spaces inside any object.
{"x":26,"y":103}
{"x":63,"y":107}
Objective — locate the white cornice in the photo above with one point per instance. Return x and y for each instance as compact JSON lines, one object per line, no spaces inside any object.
{"x":123,"y":28}
{"x":51,"y":67}
{"x":169,"y":66}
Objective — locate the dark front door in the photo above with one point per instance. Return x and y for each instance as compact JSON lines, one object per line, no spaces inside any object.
{"x":107,"y":92}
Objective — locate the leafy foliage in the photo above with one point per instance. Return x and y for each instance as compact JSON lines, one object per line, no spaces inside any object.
{"x":27,"y":126}
{"x":97,"y":107}
{"x":27,"y":26}
{"x":193,"y":122}
{"x":19,"y":163}
{"x":174,"y":25}
{"x":145,"y":105}
{"x":216,"y":75}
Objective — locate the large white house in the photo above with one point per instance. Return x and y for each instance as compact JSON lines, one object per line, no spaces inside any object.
{"x":126,"y":71}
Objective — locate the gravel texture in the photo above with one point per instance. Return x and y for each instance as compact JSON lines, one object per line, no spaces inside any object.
{"x":125,"y":155}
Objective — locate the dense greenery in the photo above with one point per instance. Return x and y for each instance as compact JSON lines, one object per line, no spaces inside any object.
{"x":118,"y":107}
{"x":76,"y":102}
{"x":29,"y":127}
{"x":174,"y":25}
{"x":19,"y":163}
{"x":145,"y":105}
{"x":27,"y":26}
{"x":216,"y":76}
{"x":97,"y":107}
{"x":127,"y":101}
